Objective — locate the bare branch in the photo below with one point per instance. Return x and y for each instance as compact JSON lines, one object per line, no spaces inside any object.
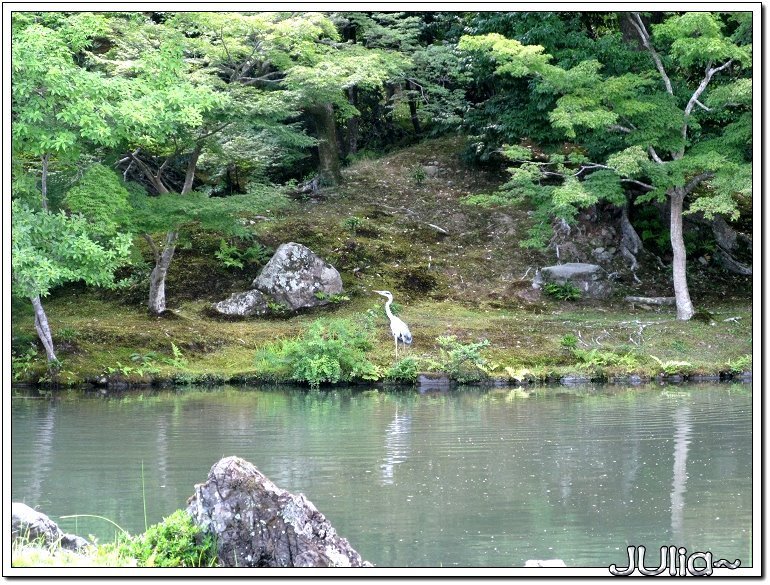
{"x":155,"y":180}
{"x":153,"y":247}
{"x":635,"y":182}
{"x":636,"y":20}
{"x":697,"y":180}
{"x":697,"y":103}
{"x":619,"y":128}
{"x":710,"y":71}
{"x":654,"y":155}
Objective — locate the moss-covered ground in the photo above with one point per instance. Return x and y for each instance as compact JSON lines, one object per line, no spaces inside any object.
{"x":454,"y":270}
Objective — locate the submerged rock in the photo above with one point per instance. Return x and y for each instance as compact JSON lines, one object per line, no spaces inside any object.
{"x":32,"y":525}
{"x":242,"y":304}
{"x":257,"y":524}
{"x":295,"y":276}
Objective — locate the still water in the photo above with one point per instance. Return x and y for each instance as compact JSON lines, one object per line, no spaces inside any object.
{"x":465,"y":478}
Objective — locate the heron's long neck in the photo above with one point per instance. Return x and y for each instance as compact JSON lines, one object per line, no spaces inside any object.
{"x":387,"y":308}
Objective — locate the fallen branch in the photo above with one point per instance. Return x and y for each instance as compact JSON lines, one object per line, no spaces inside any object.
{"x":651,"y":300}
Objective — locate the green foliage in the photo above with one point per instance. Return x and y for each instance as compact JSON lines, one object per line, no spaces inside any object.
{"x":335,"y":299}
{"x":352,"y":223}
{"x":329,"y":351}
{"x":599,"y":358}
{"x":175,"y":542}
{"x":231,"y":256}
{"x":418,"y":174}
{"x":673,"y":367}
{"x":49,"y":249}
{"x":177,"y":359}
{"x":462,"y":361}
{"x":740,"y":364}
{"x":569,"y":341}
{"x":562,"y":292}
{"x":22,"y":363}
{"x":102,"y":199}
{"x":404,"y":370}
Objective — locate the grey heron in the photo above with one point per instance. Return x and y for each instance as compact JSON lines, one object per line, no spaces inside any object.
{"x":399,"y":329}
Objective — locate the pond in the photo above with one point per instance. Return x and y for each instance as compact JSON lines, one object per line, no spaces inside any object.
{"x":464,"y":478}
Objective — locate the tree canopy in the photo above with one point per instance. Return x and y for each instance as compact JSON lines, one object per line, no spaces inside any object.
{"x":151,"y":122}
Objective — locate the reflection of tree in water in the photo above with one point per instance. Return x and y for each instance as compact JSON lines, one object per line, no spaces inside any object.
{"x":396,"y":444}
{"x":683,"y":422}
{"x":43,"y":449}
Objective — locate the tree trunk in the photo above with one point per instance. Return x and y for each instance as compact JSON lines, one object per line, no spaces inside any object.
{"x":328,"y":153}
{"x":44,"y":184}
{"x":413,"y":109}
{"x":43,"y":330}
{"x":684,"y":308}
{"x":157,"y":301}
{"x":353,"y":123}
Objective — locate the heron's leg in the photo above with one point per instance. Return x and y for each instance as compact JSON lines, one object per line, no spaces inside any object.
{"x":396,"y":340}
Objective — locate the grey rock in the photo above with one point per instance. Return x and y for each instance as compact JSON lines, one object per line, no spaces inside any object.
{"x":589,"y":278}
{"x":431,"y":171}
{"x":242,"y":304}
{"x":295,"y":274}
{"x":32,"y":525}
{"x":258,"y":524}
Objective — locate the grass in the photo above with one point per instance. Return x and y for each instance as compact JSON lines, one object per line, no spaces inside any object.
{"x":109,"y":333}
{"x":455,"y":269}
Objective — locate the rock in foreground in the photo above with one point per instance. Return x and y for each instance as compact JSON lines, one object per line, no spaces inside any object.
{"x":257,"y":524}
{"x":35,"y":526}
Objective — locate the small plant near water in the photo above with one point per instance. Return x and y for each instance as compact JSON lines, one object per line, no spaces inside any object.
{"x":330,"y":351}
{"x":22,"y":363}
{"x":562,"y":292}
{"x":404,"y":370}
{"x":600,"y":358}
{"x":740,"y":364}
{"x":569,"y":341}
{"x":673,"y":367}
{"x":462,"y":361}
{"x":175,"y":542}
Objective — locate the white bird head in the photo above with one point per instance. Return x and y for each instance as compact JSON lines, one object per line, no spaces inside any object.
{"x":387,"y":294}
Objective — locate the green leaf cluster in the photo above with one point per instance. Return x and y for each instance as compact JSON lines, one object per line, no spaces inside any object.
{"x":49,"y":249}
{"x":329,"y":351}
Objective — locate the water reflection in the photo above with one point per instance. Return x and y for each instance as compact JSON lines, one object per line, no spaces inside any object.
{"x":452,"y":479}
{"x":682,"y":430}
{"x":396,"y":444}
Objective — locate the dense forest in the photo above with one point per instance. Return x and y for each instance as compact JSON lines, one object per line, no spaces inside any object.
{"x":143,"y":139}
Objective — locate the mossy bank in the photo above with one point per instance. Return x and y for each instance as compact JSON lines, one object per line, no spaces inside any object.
{"x":460,"y":279}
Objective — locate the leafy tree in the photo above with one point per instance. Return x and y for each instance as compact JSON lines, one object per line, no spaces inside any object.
{"x":57,"y":106}
{"x":668,"y":142}
{"x":49,"y":249}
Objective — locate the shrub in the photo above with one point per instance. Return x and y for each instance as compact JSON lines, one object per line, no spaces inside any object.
{"x":462,"y":361}
{"x":569,"y":341}
{"x":330,"y":351}
{"x":562,"y":292}
{"x":404,"y":370}
{"x":175,"y":542}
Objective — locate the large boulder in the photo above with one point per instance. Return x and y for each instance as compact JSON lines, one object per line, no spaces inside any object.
{"x":242,"y":304}
{"x":295,"y":275}
{"x":589,"y":278}
{"x":257,"y":524}
{"x":34,"y":526}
